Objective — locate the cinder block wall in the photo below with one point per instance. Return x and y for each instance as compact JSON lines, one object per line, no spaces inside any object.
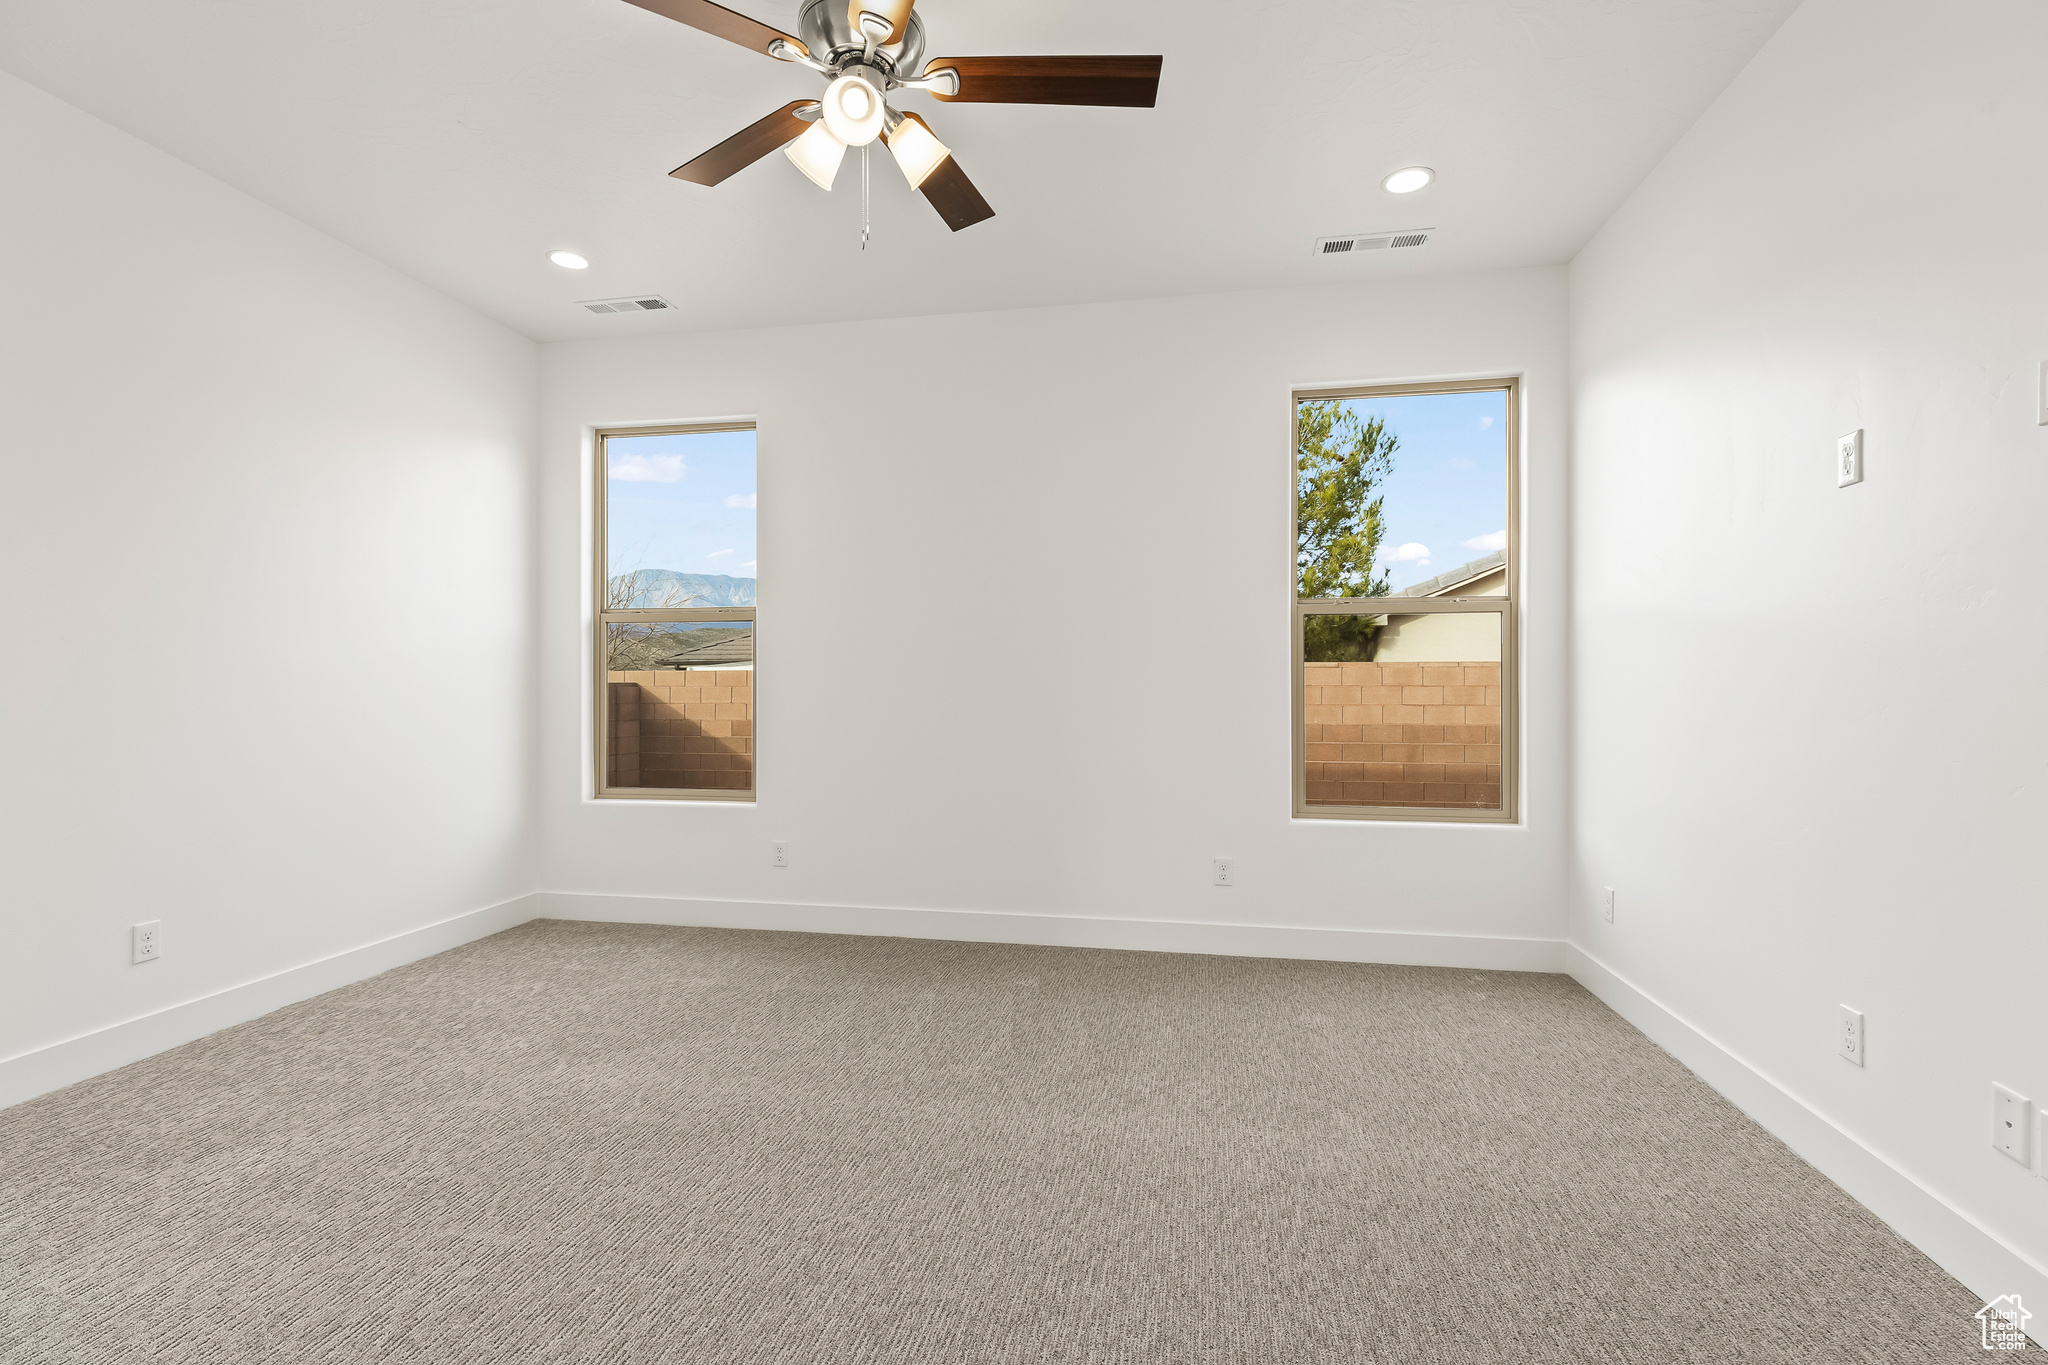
{"x":1386,"y":734}
{"x":1403,"y":734}
{"x":682,"y":728}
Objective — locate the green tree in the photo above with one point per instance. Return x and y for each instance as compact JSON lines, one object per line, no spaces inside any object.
{"x":1341,"y":463}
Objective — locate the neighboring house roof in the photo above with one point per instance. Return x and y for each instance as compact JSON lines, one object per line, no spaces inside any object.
{"x":733,"y":649}
{"x":1444,"y":583}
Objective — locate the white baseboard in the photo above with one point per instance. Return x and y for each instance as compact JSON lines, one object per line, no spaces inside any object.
{"x":59,"y":1064}
{"x":1984,"y":1264}
{"x":41,"y":1070}
{"x":1074,"y":931}
{"x":1975,"y":1256}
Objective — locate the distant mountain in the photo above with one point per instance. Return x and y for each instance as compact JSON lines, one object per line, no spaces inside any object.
{"x":667,"y":588}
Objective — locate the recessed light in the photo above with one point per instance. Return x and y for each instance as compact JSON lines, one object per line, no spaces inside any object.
{"x":568,"y":260}
{"x":1408,"y":181}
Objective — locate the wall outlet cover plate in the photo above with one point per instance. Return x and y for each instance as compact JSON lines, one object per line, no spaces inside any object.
{"x":2010,"y":1130}
{"x":1849,"y":459}
{"x":1849,"y":1035}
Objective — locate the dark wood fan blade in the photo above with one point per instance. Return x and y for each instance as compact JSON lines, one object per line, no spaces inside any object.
{"x":745,"y":147}
{"x":950,"y":192}
{"x":1130,"y":82}
{"x":717,"y":19}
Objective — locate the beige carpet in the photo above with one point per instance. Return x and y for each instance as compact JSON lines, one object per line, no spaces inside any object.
{"x":623,"y":1144}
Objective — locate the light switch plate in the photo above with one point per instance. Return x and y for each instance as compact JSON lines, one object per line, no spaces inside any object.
{"x":2010,"y":1129}
{"x":1849,"y":1036}
{"x":1849,"y":459}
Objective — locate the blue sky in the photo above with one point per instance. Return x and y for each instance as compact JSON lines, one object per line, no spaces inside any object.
{"x":683,"y":502}
{"x":1446,"y":502}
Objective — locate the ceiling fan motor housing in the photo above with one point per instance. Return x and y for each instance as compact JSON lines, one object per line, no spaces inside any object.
{"x":823,"y":28}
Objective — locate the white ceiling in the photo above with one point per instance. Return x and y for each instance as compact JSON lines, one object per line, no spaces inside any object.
{"x":461,"y":140}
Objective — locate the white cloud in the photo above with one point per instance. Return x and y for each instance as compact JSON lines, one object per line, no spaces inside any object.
{"x":748,"y":565}
{"x":648,"y":468}
{"x":1488,"y":543}
{"x":1404,"y":554}
{"x":716,"y":553}
{"x":1485,"y":423}
{"x":745,"y":500}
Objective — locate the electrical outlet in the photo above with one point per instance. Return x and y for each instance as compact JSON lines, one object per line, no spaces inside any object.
{"x":146,"y":941}
{"x":2010,"y":1111}
{"x":1849,"y":1036}
{"x":1224,"y":871}
{"x":1608,"y":905}
{"x":778,"y":853}
{"x":1849,"y":459}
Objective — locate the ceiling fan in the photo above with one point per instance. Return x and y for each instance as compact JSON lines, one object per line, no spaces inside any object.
{"x":870,"y":48}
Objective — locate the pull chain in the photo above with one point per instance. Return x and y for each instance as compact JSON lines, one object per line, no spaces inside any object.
{"x":864,"y":228}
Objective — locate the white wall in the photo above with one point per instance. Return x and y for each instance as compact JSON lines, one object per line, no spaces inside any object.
{"x":1075,"y":521}
{"x":1809,"y":745}
{"x":265,"y":587}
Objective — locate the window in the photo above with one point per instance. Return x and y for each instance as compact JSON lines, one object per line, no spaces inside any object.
{"x":675,"y":616}
{"x":1406,"y":568}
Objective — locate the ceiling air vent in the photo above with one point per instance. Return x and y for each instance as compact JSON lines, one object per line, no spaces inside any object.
{"x":1372,"y":241}
{"x":639,"y":303}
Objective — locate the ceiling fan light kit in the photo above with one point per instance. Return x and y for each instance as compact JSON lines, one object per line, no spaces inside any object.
{"x":917,"y":149}
{"x":869,"y":49}
{"x":853,"y":108}
{"x":817,"y":154}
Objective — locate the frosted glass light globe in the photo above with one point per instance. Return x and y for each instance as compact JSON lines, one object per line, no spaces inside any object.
{"x":1408,"y":181}
{"x":853,"y":111}
{"x":916,"y":150}
{"x":817,"y":154}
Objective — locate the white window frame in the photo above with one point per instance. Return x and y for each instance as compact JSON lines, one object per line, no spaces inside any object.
{"x":1507,"y":607}
{"x":602,"y":616}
